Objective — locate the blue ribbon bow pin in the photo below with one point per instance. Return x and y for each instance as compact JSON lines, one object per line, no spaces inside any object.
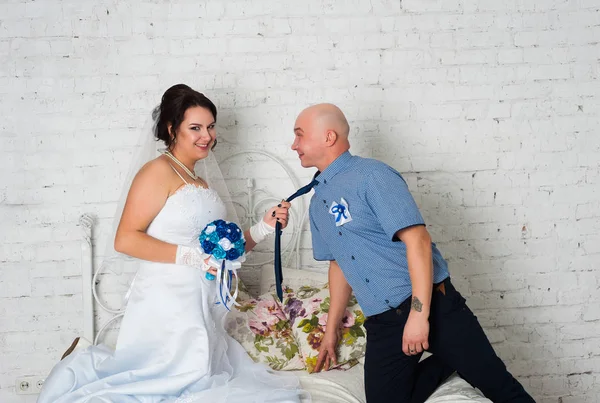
{"x":341,"y":212}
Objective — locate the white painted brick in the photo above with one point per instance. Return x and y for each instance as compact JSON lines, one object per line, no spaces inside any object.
{"x":495,"y":335}
{"x":187,"y":10}
{"x":442,"y":40}
{"x":581,"y":398}
{"x":539,"y":264}
{"x":5,"y":46}
{"x":56,"y":269}
{"x":468,"y":21}
{"x":466,"y":92}
{"x":523,"y":315}
{"x":415,"y":6}
{"x":257,"y":44}
{"x":583,"y":263}
{"x":278,"y":26}
{"x":12,"y":10}
{"x":17,"y":252}
{"x":13,"y":284}
{"x":578,"y":296}
{"x":591,"y":313}
{"x":544,"y":72}
{"x":588,"y":210}
{"x":485,"y":40}
{"x":467,"y":57}
{"x":489,"y":214}
{"x":405,"y":58}
{"x":579,"y":18}
{"x":510,"y":56}
{"x":425,"y":112}
{"x":526,"y":90}
{"x":410,"y":40}
{"x":488,"y":108}
{"x":15,"y":29}
{"x":580,"y":331}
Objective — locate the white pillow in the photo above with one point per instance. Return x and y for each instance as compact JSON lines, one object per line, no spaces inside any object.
{"x":292,"y":277}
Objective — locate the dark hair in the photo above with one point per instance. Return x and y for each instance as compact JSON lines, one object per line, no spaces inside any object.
{"x":175,"y":101}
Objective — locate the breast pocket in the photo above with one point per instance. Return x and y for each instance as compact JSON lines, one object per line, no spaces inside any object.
{"x":363,"y":220}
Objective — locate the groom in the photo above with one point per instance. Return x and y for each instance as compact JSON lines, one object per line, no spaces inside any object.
{"x":365,"y":222}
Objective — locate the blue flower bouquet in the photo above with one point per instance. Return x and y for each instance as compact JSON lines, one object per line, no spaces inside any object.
{"x":224,"y":242}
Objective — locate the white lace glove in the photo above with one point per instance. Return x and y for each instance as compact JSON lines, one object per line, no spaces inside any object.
{"x":190,"y":256}
{"x":260,"y":231}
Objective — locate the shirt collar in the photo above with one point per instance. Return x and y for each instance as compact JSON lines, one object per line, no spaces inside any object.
{"x":334,"y":168}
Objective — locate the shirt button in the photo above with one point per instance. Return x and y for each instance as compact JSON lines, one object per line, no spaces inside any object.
{"x":340,"y":232}
{"x":387,"y":301}
{"x":353,"y":258}
{"x":324,"y":201}
{"x":325,"y":181}
{"x":367,"y":280}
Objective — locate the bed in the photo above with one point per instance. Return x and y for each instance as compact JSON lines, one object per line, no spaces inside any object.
{"x":347,"y":387}
{"x":250,"y":198}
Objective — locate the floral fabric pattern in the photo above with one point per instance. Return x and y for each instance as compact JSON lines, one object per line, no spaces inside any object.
{"x":261,"y":327}
{"x":307,"y":309}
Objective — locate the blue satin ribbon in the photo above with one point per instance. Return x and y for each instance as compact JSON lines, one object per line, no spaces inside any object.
{"x":226,"y":270}
{"x":340,"y":210}
{"x":224,"y":273}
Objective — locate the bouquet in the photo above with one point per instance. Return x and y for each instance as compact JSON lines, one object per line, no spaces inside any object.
{"x":224,"y":242}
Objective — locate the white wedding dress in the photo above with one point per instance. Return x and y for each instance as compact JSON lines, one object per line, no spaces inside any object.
{"x":172,"y":346}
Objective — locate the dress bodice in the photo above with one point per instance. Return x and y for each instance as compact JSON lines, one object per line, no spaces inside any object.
{"x":185,"y":214}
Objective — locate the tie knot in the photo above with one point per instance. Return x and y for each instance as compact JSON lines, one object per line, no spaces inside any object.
{"x":303,"y":190}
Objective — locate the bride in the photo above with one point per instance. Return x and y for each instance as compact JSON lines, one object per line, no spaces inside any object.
{"x":172,"y":346}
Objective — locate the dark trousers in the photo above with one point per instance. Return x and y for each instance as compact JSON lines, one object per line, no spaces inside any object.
{"x":457,"y":343}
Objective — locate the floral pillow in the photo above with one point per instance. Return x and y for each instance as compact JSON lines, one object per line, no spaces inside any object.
{"x":260,"y":326}
{"x":307,"y":309}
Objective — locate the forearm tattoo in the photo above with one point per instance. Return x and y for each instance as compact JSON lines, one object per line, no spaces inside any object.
{"x":416,"y":304}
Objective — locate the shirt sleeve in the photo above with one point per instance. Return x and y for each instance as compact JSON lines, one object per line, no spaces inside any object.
{"x":390,"y":200}
{"x":320,"y":249}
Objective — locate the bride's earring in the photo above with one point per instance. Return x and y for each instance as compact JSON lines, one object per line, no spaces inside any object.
{"x":214,"y":145}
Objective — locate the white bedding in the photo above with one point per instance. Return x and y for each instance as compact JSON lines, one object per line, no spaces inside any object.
{"x":348,"y":387}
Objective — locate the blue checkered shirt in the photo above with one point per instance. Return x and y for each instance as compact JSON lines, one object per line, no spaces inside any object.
{"x":379,"y":203}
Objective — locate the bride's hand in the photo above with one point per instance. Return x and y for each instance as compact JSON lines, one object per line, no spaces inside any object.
{"x":211,"y":270}
{"x":278,"y":213}
{"x":266,"y":226}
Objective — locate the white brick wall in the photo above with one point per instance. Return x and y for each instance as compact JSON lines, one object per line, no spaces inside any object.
{"x":491,"y":109}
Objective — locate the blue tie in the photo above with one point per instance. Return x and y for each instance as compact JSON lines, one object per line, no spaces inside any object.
{"x":278,"y":272}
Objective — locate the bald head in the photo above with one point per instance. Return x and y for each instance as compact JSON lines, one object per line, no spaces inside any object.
{"x":321,"y":135}
{"x":327,"y":117}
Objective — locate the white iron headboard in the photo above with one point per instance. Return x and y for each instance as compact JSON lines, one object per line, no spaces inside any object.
{"x":248,"y":200}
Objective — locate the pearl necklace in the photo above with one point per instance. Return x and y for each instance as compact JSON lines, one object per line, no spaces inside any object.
{"x":187,"y":171}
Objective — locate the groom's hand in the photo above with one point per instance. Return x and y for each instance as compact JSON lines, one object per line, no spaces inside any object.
{"x":327,"y":353}
{"x":415,"y":339}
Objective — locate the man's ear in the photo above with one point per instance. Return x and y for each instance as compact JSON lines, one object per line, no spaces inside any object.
{"x":331,"y":137}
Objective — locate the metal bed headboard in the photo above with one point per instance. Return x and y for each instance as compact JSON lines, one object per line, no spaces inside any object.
{"x":249,"y":201}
